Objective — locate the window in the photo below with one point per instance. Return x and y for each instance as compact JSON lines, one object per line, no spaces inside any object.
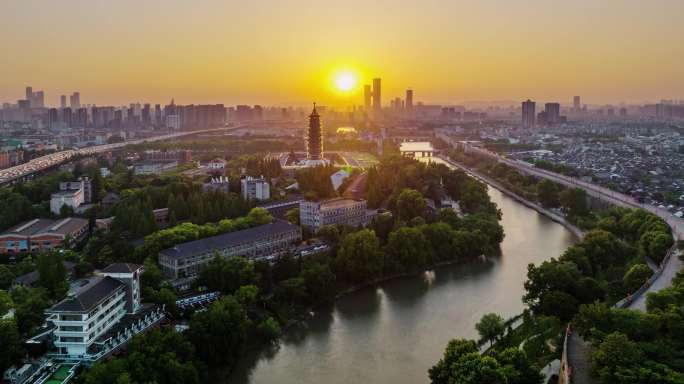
{"x":70,"y":328}
{"x":65,"y":339}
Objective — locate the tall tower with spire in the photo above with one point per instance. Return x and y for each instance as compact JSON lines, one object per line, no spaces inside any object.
{"x":314,"y":141}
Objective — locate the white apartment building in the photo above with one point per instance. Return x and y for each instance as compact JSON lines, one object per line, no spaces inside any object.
{"x":255,"y":188}
{"x":217,"y":164}
{"x":85,"y":321}
{"x":72,"y":194}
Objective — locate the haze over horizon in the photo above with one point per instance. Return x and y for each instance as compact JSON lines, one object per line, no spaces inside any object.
{"x":286,"y":52}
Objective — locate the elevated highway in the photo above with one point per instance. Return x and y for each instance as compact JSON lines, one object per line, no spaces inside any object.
{"x":43,"y":163}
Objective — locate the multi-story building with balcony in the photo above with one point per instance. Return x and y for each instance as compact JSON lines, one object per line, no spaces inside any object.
{"x":101,"y":315}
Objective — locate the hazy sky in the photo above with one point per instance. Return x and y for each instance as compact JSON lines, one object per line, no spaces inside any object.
{"x":284,"y":51}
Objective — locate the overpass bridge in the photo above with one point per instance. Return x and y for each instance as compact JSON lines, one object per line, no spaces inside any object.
{"x":43,"y":163}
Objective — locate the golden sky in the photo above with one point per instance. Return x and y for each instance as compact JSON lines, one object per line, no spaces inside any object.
{"x":277,"y":52}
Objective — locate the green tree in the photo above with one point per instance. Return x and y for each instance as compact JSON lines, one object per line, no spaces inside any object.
{"x":574,"y":202}
{"x":219,"y":333}
{"x":449,"y":216}
{"x":319,"y":282}
{"x":441,"y":372}
{"x":6,"y":277}
{"x":152,"y":276}
{"x":655,"y":244}
{"x":547,"y":193}
{"x":636,"y":276}
{"x":154,"y":357}
{"x":259,"y":216}
{"x":227,"y":275}
{"x":614,"y":352}
{"x":293,"y":216}
{"x":359,"y":257}
{"x":97,"y":186}
{"x":10,"y":340}
{"x":29,"y":307}
{"x":518,"y":367}
{"x":490,"y":327}
{"x":440,"y":239}
{"x":6,"y":302}
{"x":407,"y":250}
{"x":410,"y":204}
{"x":52,"y":275}
{"x":269,"y":329}
{"x":462,"y":363}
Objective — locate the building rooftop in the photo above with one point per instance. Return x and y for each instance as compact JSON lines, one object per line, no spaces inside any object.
{"x":67,"y":192}
{"x":416,"y":146}
{"x":337,"y":202}
{"x":32,"y":277}
{"x":278,"y":203}
{"x":228,"y":239}
{"x":46,"y":226}
{"x":88,"y":296}
{"x":121,"y":268}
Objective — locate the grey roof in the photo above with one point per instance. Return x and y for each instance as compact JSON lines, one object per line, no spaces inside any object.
{"x":111,"y":198}
{"x":228,"y":239}
{"x":277,"y":203}
{"x":32,"y":277}
{"x":36,"y":226}
{"x":89,"y":296}
{"x":30,"y":227}
{"x":121,"y":268}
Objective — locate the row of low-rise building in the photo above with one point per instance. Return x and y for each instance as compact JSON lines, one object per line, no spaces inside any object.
{"x":183,"y":262}
{"x":42,"y":234}
{"x":265,"y":242}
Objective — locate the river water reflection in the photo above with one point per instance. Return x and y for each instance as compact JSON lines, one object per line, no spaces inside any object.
{"x":394,"y":332}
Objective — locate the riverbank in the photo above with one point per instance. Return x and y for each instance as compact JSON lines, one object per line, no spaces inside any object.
{"x":359,"y":287}
{"x":546,"y":212}
{"x":394,"y":331}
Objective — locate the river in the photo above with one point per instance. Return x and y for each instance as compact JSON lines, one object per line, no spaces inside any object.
{"x":394,"y":332}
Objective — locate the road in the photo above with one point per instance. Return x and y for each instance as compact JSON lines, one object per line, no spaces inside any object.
{"x":673,"y":264}
{"x":578,"y":349}
{"x":44,"y":162}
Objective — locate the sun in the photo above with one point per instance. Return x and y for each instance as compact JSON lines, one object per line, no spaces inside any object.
{"x":345,"y":81}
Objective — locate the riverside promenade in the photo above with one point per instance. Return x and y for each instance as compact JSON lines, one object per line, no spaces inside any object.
{"x":578,"y":350}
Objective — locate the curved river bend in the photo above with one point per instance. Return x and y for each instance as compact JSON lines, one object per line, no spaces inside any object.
{"x":394,"y":332}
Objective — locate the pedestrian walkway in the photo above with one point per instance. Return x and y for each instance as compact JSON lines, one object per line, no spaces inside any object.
{"x":579,"y":352}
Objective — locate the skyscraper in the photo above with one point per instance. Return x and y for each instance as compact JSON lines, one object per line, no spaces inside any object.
{"x":377,"y":94}
{"x":552,"y":113}
{"x":367,"y":95}
{"x":409,"y":99}
{"x":314,"y":142}
{"x":75,"y":100}
{"x":62,"y":101}
{"x":29,"y":93}
{"x":52,"y":118}
{"x":528,"y":113}
{"x":38,"y":100}
{"x":576,"y":103}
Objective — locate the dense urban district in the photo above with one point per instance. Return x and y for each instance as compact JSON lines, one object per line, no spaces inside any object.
{"x":166,"y":257}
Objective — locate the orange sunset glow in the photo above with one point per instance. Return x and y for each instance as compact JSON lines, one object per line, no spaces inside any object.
{"x":285,"y":51}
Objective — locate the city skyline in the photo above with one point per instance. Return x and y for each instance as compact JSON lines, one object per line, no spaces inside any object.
{"x":449,"y":53}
